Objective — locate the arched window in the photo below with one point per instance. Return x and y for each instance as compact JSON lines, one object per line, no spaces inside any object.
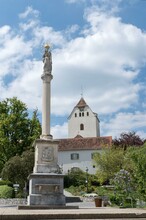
{"x":75,"y":114}
{"x":81,"y":127}
{"x":87,"y":113}
{"x":82,"y":113}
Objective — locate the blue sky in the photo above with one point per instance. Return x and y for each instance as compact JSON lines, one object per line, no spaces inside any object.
{"x":97,"y":45}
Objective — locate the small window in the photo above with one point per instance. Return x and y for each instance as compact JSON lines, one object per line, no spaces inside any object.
{"x":74,"y":156}
{"x":83,"y":114}
{"x":93,"y":166}
{"x":75,"y":114}
{"x":81,"y":127}
{"x":80,"y":114}
{"x":87,"y":113}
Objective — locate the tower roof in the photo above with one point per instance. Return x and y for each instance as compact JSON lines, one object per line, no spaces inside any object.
{"x":81,"y":103}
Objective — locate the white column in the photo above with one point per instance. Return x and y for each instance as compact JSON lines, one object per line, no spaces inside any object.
{"x":46,"y":96}
{"x":46,"y":105}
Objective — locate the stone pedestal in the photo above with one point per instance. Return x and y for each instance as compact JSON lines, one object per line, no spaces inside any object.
{"x":46,"y":182}
{"x":46,"y":190}
{"x":46,"y":156}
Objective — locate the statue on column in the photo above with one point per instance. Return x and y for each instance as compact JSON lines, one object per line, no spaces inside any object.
{"x":47,"y":59}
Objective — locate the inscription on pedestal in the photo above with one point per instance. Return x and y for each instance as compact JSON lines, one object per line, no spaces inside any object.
{"x":47,"y":154}
{"x":47,"y":188}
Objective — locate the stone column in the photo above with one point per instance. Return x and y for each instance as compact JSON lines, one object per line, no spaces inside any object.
{"x":46,"y":96}
{"x":46,"y":182}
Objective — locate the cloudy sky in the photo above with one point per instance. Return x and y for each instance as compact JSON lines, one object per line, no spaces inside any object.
{"x":98,"y":49}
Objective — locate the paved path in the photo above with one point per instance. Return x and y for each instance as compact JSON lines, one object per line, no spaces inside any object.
{"x":10,"y":213}
{"x":86,"y":210}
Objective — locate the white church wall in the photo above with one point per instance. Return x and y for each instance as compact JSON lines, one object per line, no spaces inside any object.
{"x":84,"y":161}
{"x":89,"y":121}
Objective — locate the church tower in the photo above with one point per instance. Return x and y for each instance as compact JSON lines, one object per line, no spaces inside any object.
{"x":82,"y":121}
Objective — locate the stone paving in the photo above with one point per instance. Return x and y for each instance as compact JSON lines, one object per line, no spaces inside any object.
{"x":87,"y":210}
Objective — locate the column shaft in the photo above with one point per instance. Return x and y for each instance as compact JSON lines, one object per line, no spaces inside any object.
{"x":46,"y":106}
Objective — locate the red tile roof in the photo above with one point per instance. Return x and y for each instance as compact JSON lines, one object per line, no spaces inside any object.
{"x":81,"y":103}
{"x":79,"y":143}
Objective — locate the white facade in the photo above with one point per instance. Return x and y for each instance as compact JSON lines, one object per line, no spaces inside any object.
{"x":84,"y":140}
{"x":77,"y":159}
{"x":83,"y":121}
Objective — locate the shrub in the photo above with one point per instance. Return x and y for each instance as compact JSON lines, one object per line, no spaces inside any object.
{"x":6,"y":182}
{"x":74,"y":178}
{"x":124,"y":188}
{"x":6,"y":192}
{"x":75,"y":190}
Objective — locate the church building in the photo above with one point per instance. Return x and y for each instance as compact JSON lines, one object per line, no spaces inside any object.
{"x":82,"y":121}
{"x":83,"y":140}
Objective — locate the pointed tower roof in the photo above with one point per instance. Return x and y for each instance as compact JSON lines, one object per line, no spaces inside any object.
{"x":81,"y":103}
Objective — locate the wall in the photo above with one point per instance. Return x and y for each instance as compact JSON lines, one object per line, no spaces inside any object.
{"x":13,"y":202}
{"x":84,"y":161}
{"x":91,"y":124}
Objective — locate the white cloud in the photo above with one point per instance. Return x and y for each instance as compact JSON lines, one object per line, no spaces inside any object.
{"x":48,"y":34}
{"x":105,"y":59}
{"x":71,"y":30}
{"x":13,"y":49}
{"x":29,"y":12}
{"x":75,"y":1}
{"x":16,"y":59}
{"x":27,"y":85}
{"x":105,"y":62}
{"x":3,"y":32}
{"x":125,"y":122}
{"x":60,"y":131}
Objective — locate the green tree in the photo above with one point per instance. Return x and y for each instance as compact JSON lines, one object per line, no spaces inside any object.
{"x":78,"y":181}
{"x":17,"y":130}
{"x":13,"y":171}
{"x":108,"y":163}
{"x":75,"y":178}
{"x":124,"y":189}
{"x":138,"y":158}
{"x":18,"y":168}
{"x":27,"y":163}
{"x":34,"y":127}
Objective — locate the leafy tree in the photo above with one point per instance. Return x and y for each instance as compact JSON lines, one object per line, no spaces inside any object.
{"x":18,"y":168}
{"x":128,"y":139}
{"x":27,"y":163}
{"x":12,"y":170}
{"x":138,"y":158}
{"x":108,"y":163}
{"x":124,"y":189}
{"x":34,"y":127}
{"x":78,"y":181}
{"x":75,"y":178}
{"x":17,"y":130}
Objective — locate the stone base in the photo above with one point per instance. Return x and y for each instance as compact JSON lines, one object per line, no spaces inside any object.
{"x":46,"y":190}
{"x":23,"y":207}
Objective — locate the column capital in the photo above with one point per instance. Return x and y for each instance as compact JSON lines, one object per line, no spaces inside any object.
{"x":47,"y":77}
